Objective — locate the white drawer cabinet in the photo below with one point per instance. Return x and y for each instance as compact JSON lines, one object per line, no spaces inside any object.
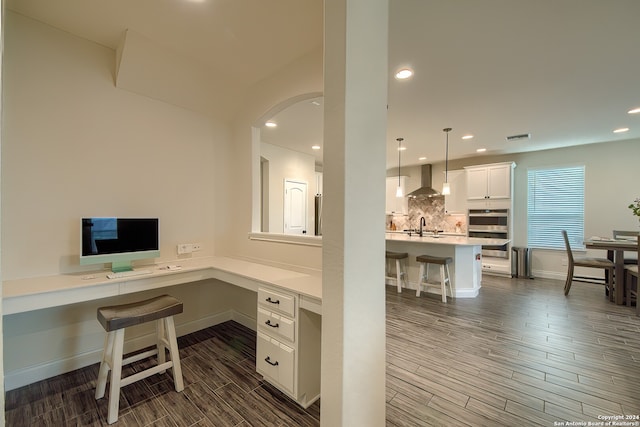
{"x":276,"y":361}
{"x":288,"y":345}
{"x":277,"y":325}
{"x":277,"y":301}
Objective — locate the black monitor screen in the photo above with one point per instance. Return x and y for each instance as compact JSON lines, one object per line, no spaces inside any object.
{"x":118,"y":235}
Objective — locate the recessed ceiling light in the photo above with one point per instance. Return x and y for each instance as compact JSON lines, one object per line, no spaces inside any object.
{"x":467,"y":137}
{"x":621,"y":130}
{"x":634,"y":111}
{"x":270,"y":124}
{"x":315,"y":147}
{"x":481,"y":150}
{"x":404,"y":73}
{"x":316,"y":103}
{"x":422,"y":158}
{"x":402,"y":148}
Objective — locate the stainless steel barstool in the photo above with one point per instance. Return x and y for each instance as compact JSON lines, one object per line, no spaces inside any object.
{"x":115,"y":319}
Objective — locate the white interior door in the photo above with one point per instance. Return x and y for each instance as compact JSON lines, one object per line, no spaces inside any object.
{"x":295,"y":207}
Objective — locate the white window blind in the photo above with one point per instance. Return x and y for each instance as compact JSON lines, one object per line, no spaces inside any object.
{"x":555,"y":202}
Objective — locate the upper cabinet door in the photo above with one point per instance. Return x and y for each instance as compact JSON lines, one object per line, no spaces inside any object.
{"x":456,"y":202}
{"x":489,"y":181}
{"x":499,"y":182}
{"x":396,"y":205}
{"x":476,"y":183}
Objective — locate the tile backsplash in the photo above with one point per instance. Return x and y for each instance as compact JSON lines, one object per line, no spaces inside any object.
{"x":432,"y":209}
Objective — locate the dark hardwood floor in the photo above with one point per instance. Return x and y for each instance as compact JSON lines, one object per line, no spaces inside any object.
{"x":520,"y":354}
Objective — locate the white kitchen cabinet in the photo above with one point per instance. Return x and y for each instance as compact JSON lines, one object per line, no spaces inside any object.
{"x":288,"y":345}
{"x":489,"y":181}
{"x":496,"y":266}
{"x":396,"y":205}
{"x":456,"y":202}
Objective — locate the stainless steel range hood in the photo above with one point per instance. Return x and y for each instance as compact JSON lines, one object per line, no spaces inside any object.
{"x":425,"y":190}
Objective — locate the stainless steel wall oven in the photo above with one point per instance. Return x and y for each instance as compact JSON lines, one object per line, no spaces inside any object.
{"x":490,"y":224}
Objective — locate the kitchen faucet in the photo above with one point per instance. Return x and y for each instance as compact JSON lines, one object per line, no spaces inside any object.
{"x":423,"y":222}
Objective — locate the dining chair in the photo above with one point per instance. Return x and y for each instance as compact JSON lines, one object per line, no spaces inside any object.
{"x":631,"y":276}
{"x":601,"y":263}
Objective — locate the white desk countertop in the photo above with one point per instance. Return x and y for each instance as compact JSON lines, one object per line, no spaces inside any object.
{"x":28,"y":294}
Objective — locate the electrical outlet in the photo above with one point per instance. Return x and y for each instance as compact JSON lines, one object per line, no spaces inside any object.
{"x":196,"y":247}
{"x":185,"y":248}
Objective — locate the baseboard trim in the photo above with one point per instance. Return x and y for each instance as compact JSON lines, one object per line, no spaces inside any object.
{"x":413,"y":286}
{"x":32,"y":374}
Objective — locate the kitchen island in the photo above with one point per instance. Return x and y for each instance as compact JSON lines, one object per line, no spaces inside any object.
{"x":466,"y":269}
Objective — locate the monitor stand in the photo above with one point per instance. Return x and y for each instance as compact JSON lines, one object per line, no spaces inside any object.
{"x":118,"y":266}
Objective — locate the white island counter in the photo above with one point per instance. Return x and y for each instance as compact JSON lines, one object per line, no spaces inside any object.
{"x":466,"y":270}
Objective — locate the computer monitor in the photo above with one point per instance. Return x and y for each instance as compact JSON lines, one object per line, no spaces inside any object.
{"x":118,"y":241}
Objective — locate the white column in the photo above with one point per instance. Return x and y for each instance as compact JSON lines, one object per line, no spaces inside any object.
{"x":353,"y":301}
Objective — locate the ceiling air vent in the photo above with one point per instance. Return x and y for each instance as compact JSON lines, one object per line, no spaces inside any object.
{"x":521,"y":136}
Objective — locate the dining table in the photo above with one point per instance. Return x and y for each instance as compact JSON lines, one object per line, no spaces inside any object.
{"x":617,"y":247}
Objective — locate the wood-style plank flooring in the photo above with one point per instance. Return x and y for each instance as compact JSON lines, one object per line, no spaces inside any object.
{"x":520,"y":354}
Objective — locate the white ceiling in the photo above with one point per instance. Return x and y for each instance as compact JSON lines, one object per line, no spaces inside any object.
{"x":565,"y":71}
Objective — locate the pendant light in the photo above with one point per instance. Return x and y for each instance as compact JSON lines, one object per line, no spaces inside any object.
{"x":446,"y":189}
{"x":399,"y":192}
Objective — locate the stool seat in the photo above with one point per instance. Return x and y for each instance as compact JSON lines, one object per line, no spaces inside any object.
{"x":401,"y":273}
{"x":396,"y":255}
{"x":429,"y":259}
{"x":445,"y":277}
{"x":114,"y":319}
{"x":123,"y":316}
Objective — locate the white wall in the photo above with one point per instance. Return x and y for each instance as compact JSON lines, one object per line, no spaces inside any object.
{"x":75,"y":145}
{"x":287,"y":164}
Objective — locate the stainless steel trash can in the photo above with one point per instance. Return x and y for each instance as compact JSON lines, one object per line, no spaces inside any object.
{"x":521,"y":263}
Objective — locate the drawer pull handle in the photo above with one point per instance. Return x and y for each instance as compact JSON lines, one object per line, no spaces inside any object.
{"x":268,"y":360}
{"x":268,"y":323}
{"x":272,"y":301}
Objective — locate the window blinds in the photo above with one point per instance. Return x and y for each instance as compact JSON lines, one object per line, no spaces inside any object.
{"x":555,"y":202}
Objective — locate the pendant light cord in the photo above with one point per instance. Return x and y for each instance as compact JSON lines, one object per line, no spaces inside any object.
{"x":399,"y":145}
{"x":446,"y":156}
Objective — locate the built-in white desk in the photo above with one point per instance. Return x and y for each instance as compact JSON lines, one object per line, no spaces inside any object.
{"x":290,"y":298}
{"x":50,"y":291}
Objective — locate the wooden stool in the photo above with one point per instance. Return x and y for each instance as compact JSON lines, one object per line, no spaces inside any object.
{"x":443,"y":262}
{"x":115,"y":319}
{"x":401,"y":273}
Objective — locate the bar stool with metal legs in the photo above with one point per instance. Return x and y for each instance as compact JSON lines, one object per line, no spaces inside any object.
{"x":401,"y":273}
{"x":115,"y":319}
{"x":443,"y":262}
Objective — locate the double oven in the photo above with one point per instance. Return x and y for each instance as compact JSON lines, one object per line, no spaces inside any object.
{"x":490,"y":224}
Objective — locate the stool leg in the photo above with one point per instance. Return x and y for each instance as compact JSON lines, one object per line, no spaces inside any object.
{"x":449,"y":281}
{"x":160,"y":342}
{"x":116,"y":376}
{"x":398,"y":276}
{"x":101,"y":385}
{"x":443,"y":286}
{"x":173,"y":351}
{"x":420,"y":277}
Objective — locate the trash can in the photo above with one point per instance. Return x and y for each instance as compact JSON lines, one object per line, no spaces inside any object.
{"x":521,"y":263}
